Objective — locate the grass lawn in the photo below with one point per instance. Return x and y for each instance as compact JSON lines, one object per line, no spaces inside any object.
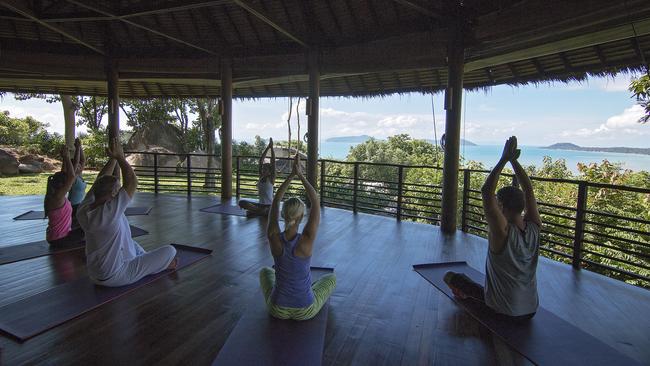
{"x":30,"y":184}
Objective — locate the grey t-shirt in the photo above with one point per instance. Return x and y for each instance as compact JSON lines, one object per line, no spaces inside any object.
{"x":511,"y":281}
{"x":108,"y":235}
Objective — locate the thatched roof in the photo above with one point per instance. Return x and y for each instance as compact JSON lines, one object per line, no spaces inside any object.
{"x":366,"y":47}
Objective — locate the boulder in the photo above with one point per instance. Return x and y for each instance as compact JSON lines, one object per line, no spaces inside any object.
{"x":8,"y":162}
{"x":147,"y":160}
{"x":30,"y":168}
{"x":199,"y":162}
{"x":152,"y":136}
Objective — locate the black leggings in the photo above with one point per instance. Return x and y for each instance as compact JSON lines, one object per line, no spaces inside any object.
{"x":74,"y":237}
{"x":476,"y":292}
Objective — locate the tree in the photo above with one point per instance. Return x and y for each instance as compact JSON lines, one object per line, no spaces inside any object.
{"x":208,"y":112}
{"x":91,"y":112}
{"x":640,"y":89}
{"x":30,"y":133}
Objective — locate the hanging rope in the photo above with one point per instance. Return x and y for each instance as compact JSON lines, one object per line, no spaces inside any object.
{"x":289,"y":124}
{"x":433,"y":114}
{"x":464,"y":119}
{"x":298,"y":142}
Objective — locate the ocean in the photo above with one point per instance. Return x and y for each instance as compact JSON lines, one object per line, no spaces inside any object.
{"x":530,"y":155}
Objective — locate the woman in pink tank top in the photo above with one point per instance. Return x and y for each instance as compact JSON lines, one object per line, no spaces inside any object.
{"x":57,"y":207}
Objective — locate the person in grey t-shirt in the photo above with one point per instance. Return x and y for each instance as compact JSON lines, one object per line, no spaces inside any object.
{"x":113,"y":258}
{"x":513,"y":240}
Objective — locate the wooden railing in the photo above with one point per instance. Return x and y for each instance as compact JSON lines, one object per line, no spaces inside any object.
{"x":580,"y":226}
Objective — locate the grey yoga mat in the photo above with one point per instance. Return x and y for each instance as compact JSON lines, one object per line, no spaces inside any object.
{"x":260,"y":339}
{"x":544,"y":340}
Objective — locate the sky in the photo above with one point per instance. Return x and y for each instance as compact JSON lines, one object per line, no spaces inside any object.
{"x":598,"y":112}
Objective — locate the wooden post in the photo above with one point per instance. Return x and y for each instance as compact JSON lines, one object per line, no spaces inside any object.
{"x":155,"y":172}
{"x":400,"y":191}
{"x":312,"y":119}
{"x":322,"y":181}
{"x":453,"y":103}
{"x":466,"y":187}
{"x":355,"y":187}
{"x":68,"y":117}
{"x":238,"y":179}
{"x":189,"y":174}
{"x":226,"y":129}
{"x":112,"y":79}
{"x":580,"y":224}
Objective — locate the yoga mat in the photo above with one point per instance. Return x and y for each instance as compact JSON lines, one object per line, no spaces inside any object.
{"x":20,"y":252}
{"x":260,"y":339}
{"x":225,"y":209}
{"x":36,"y":314}
{"x":544,"y":340}
{"x":40,"y":215}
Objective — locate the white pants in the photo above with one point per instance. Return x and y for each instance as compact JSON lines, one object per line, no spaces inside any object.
{"x":145,"y":263}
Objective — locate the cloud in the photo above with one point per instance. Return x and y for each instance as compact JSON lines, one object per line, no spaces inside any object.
{"x":620,"y":123}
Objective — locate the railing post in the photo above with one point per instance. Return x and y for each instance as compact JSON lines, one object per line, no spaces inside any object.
{"x":155,"y":173}
{"x":322,"y":181}
{"x":189,"y":175}
{"x":466,"y":186}
{"x":400,"y":191}
{"x":580,"y":224}
{"x":237,"y":187}
{"x":355,"y":187}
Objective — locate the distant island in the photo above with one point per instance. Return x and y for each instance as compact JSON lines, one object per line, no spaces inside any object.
{"x":574,"y":147}
{"x":364,"y":138}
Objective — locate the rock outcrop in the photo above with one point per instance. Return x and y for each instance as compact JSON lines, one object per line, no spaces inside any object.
{"x":8,"y":162}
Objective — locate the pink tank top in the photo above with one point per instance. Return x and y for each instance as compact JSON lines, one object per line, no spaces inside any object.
{"x":59,"y":222}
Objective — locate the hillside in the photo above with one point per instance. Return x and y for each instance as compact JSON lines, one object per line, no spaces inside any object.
{"x":622,"y":150}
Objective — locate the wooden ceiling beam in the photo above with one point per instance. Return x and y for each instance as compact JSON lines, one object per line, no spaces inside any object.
{"x":146,"y":28}
{"x":264,"y":18}
{"x":19,"y":8}
{"x":421,"y":9}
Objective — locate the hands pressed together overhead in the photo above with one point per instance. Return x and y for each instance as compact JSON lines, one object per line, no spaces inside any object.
{"x":510,"y":151}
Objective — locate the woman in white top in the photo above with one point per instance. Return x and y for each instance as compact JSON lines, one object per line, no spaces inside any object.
{"x":264,"y":186}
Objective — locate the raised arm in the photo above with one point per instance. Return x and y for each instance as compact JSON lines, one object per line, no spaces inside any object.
{"x":272,"y":160}
{"x":263,"y":156}
{"x":497,"y":223}
{"x":77,"y":156}
{"x":532,"y":213}
{"x":129,"y":180}
{"x":68,"y":169}
{"x":273,"y":230}
{"x":310,"y":230}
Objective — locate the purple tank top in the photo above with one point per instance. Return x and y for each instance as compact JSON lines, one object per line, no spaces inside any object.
{"x":292,"y":277}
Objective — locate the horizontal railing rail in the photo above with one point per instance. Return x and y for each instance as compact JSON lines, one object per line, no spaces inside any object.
{"x":579,"y":226}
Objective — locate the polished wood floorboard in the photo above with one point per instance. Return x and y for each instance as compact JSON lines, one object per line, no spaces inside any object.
{"x":381,"y":313}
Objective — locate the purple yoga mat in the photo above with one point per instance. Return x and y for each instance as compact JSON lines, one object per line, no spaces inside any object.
{"x":260,"y":339}
{"x":38,"y":313}
{"x":544,"y":340}
{"x":20,"y":252}
{"x":40,"y":215}
{"x":225,"y":209}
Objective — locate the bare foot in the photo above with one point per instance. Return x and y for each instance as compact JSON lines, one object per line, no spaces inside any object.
{"x":173,"y":264}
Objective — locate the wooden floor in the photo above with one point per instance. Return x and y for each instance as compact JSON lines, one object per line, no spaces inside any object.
{"x":381,"y":311}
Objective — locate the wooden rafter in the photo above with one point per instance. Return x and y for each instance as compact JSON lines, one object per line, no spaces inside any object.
{"x":269,"y":21}
{"x":143,"y":27}
{"x":17,"y":7}
{"x":421,"y":9}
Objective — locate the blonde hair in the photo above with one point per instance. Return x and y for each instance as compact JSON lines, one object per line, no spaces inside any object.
{"x":292,"y":211}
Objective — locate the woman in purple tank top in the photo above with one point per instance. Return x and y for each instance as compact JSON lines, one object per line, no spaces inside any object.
{"x":288,"y":290}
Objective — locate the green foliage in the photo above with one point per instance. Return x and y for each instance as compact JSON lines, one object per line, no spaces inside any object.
{"x":28,"y":133}
{"x":640,"y":89}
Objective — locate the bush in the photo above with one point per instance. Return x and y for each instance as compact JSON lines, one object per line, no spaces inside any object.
{"x":30,"y":134}
{"x":94,"y":145}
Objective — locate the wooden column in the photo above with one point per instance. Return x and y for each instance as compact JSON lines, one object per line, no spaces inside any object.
{"x":453,"y":104}
{"x":68,"y":117}
{"x":112,"y":79}
{"x":226,"y":129}
{"x":312,"y":111}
